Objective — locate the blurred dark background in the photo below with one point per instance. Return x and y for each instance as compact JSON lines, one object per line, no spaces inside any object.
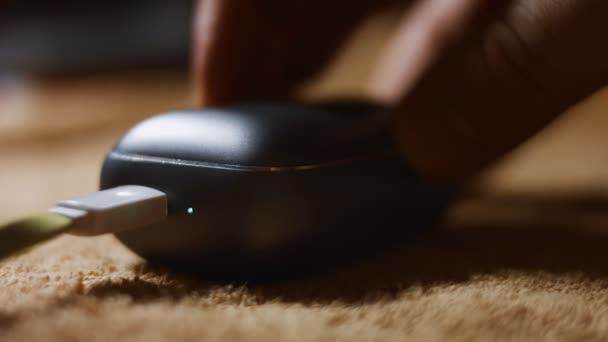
{"x":66,"y":36}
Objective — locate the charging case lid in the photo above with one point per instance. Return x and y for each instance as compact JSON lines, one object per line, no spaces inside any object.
{"x":260,"y":135}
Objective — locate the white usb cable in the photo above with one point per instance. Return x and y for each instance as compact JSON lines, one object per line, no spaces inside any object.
{"x":113,"y":210}
{"x":107,"y":211}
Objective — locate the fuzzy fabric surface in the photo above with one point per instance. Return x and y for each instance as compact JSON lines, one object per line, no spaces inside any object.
{"x":454,"y":285}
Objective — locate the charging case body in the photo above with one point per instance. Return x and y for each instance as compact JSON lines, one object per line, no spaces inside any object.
{"x":265,"y":191}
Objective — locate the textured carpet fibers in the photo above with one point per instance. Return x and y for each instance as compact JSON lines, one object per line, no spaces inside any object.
{"x":466,"y":284}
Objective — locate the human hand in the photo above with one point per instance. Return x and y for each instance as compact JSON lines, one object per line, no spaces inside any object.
{"x":471,"y":78}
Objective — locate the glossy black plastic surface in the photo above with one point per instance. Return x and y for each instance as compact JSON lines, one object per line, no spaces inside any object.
{"x":264,"y":191}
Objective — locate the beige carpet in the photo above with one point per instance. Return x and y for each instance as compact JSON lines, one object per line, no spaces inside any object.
{"x":461,"y":285}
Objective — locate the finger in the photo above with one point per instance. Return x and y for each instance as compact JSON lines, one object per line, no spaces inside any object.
{"x":262,"y":49}
{"x":494,"y":89}
{"x":427,"y":29}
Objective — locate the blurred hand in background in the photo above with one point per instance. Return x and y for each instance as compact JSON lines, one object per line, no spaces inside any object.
{"x":471,"y":78}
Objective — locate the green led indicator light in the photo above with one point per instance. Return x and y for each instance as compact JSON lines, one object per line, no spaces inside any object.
{"x":190,"y":211}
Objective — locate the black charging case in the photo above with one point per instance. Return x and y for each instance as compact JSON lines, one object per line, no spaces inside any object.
{"x":265,"y":191}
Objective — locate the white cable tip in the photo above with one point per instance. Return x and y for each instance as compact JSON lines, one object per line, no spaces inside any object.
{"x":113,"y":210}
